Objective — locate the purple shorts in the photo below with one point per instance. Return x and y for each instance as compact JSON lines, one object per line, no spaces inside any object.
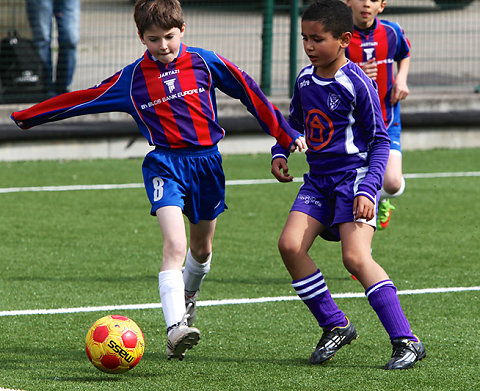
{"x":329,"y":199}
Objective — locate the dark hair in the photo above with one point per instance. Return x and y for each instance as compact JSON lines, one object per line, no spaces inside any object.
{"x":334,"y":15}
{"x":166,"y":14}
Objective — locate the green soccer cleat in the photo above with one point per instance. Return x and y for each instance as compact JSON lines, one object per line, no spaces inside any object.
{"x":405,"y":354}
{"x":331,"y":341}
{"x":384,"y":212}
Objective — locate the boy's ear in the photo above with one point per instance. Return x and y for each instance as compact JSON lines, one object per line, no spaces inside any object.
{"x":382,"y":6}
{"x":345,"y":39}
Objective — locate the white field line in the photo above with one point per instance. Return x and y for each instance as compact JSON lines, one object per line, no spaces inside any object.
{"x":236,"y":182}
{"x":209,"y":303}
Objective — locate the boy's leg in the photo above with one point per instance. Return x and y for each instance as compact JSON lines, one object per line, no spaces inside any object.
{"x":171,"y":285}
{"x":197,"y":263}
{"x":393,"y":181}
{"x":381,"y":293}
{"x":297,"y":237}
{"x":356,"y":253}
{"x":393,"y":184}
{"x":407,"y":348}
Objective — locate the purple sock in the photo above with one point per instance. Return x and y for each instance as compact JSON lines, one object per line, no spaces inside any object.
{"x":383,"y":298}
{"x":315,"y":294}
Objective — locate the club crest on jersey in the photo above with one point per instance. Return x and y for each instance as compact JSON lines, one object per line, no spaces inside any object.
{"x":369,"y":53}
{"x":333,"y":101}
{"x":170,"y":84}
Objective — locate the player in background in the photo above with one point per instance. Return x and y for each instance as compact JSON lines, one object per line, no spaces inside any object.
{"x":376,"y":46}
{"x":337,"y":107}
{"x":170,"y":93}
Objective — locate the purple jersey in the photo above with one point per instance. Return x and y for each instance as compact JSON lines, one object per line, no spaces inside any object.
{"x":173,"y":105}
{"x":343,"y":125}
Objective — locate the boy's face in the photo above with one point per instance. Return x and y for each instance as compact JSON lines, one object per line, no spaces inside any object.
{"x":365,"y":11}
{"x":164,"y":45}
{"x":325,"y":52}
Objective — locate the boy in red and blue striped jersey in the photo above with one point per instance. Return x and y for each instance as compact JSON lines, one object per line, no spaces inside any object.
{"x":337,"y":106}
{"x":376,"y":46}
{"x":170,"y":93}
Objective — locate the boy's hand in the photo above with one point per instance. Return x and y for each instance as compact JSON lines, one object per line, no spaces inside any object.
{"x":280,"y":170}
{"x":299,"y":144}
{"x":370,"y":68}
{"x":363,"y":208}
{"x":399,"y":91}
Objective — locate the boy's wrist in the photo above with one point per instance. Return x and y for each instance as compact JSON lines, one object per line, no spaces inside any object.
{"x":279,"y":155}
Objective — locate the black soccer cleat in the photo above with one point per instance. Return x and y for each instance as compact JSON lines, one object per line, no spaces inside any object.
{"x":405,"y":354}
{"x":331,"y":341}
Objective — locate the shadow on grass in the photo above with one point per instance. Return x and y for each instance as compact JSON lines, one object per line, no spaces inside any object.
{"x":33,"y":361}
{"x":290,"y":362}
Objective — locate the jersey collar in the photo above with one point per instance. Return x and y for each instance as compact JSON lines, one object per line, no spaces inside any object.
{"x":181,"y":52}
{"x":371,"y":28}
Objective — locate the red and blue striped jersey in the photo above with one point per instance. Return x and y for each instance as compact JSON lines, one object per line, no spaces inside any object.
{"x":174,"y":105}
{"x":387,"y":43}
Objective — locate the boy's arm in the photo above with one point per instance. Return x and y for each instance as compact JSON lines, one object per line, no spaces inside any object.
{"x":279,"y":154}
{"x":104,"y":97}
{"x":279,"y":163}
{"x":280,"y":170}
{"x":370,"y":114}
{"x":370,"y":68}
{"x":400,"y":89}
{"x":238,"y":84}
{"x":402,"y":57}
{"x":363,"y":208}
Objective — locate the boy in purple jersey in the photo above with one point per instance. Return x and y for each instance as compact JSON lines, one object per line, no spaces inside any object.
{"x":170,"y":92}
{"x":337,"y":107}
{"x":376,"y":46}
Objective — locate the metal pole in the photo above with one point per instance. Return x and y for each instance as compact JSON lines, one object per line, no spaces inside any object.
{"x":267,"y":39}
{"x":293,"y":44}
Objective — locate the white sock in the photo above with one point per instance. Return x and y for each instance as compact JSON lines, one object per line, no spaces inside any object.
{"x":384,"y":194}
{"x":195,"y":272}
{"x":172,"y":296}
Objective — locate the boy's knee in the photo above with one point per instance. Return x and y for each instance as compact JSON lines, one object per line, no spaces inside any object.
{"x":175,"y":248}
{"x":201,"y":248}
{"x":394,"y":186}
{"x":353,"y":262}
{"x":201,"y":254}
{"x":288,"y":247}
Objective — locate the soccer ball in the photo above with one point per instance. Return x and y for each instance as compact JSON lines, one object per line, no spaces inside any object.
{"x":114,"y":344}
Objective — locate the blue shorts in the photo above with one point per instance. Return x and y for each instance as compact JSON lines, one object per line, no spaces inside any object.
{"x":190,"y":178}
{"x":329,"y":199}
{"x":395,"y":129}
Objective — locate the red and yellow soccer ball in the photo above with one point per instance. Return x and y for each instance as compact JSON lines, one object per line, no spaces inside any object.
{"x":114,"y":344}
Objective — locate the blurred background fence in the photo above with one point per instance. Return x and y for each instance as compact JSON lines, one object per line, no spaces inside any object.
{"x":444,"y":36}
